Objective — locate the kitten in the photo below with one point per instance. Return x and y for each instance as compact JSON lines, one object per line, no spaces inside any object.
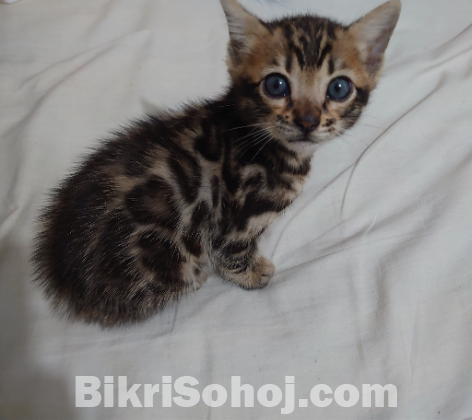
{"x":179,"y":195}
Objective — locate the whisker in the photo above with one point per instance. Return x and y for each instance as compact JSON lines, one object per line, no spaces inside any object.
{"x":355,"y":137}
{"x":343,"y":139}
{"x":256,"y":132}
{"x":371,"y":116}
{"x":261,"y":138}
{"x":373,"y":126}
{"x":246,"y":126}
{"x":254,"y":138}
{"x":345,"y":133}
{"x":252,"y":133}
{"x":254,"y":142}
{"x":267,"y":142}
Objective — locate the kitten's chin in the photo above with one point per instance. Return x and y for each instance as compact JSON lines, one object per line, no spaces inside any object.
{"x":302,"y":145}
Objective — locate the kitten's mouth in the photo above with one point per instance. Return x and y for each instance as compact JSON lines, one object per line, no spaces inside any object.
{"x":302,"y":140}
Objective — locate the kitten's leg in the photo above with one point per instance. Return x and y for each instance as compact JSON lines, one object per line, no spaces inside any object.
{"x":242,"y":264}
{"x":167,"y":271}
{"x":195,"y":272}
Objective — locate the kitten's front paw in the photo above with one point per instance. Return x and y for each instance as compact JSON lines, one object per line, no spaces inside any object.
{"x":260,"y":275}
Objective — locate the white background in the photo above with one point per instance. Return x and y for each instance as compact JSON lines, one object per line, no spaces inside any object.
{"x":374,"y":260}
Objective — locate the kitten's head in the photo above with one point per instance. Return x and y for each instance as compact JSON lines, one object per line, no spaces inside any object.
{"x":306,"y":79}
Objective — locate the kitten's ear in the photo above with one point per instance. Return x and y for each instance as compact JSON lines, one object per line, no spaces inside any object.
{"x":241,"y":23}
{"x":372,"y":34}
{"x":244,"y":28}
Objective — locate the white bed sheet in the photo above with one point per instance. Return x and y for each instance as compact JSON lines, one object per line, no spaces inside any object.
{"x":374,"y":260}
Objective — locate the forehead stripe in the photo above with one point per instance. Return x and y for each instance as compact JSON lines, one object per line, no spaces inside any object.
{"x":331,"y":30}
{"x":288,"y":32}
{"x":326,"y":50}
{"x":300,"y":57}
{"x":288,"y":62}
{"x":331,"y":65}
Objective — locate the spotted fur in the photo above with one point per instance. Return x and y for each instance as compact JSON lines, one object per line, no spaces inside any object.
{"x":179,"y":195}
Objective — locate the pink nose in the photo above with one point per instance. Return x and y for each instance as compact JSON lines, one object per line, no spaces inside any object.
{"x":308,"y":123}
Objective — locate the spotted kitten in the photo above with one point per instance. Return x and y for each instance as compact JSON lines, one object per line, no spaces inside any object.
{"x":154,"y":210}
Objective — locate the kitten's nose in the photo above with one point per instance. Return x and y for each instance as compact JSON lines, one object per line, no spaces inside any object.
{"x":307,"y":124}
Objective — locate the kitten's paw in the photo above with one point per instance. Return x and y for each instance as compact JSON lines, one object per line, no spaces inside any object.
{"x":260,"y":275}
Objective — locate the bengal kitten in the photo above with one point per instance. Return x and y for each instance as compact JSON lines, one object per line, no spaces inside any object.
{"x":179,"y":195}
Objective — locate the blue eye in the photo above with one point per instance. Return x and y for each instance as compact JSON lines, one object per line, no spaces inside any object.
{"x":339,"y":89}
{"x":276,"y":85}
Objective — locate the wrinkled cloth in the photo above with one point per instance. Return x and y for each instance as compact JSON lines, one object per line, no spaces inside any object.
{"x":374,"y":267}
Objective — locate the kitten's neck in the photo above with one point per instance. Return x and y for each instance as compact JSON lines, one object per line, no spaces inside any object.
{"x":248,"y":143}
{"x":241,"y":122}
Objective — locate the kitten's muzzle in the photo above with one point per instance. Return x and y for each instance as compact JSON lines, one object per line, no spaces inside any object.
{"x":307,"y":124}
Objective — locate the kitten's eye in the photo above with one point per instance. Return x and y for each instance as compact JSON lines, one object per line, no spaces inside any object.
{"x":339,"y":89}
{"x":276,"y":85}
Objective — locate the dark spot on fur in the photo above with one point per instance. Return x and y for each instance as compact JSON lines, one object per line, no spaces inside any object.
{"x":153,"y":202}
{"x":254,"y":181}
{"x":236,"y":247}
{"x":362,"y":96}
{"x":218,"y":242}
{"x":188,"y":174}
{"x":209,"y":143}
{"x":330,"y":122}
{"x":160,"y":255}
{"x":215,"y":191}
{"x":192,"y":238}
{"x":236,"y":256}
{"x":193,"y":243}
{"x":301,"y":169}
{"x":255,"y":205}
{"x":352,"y":113}
{"x":200,"y":214}
{"x":231,"y":177}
